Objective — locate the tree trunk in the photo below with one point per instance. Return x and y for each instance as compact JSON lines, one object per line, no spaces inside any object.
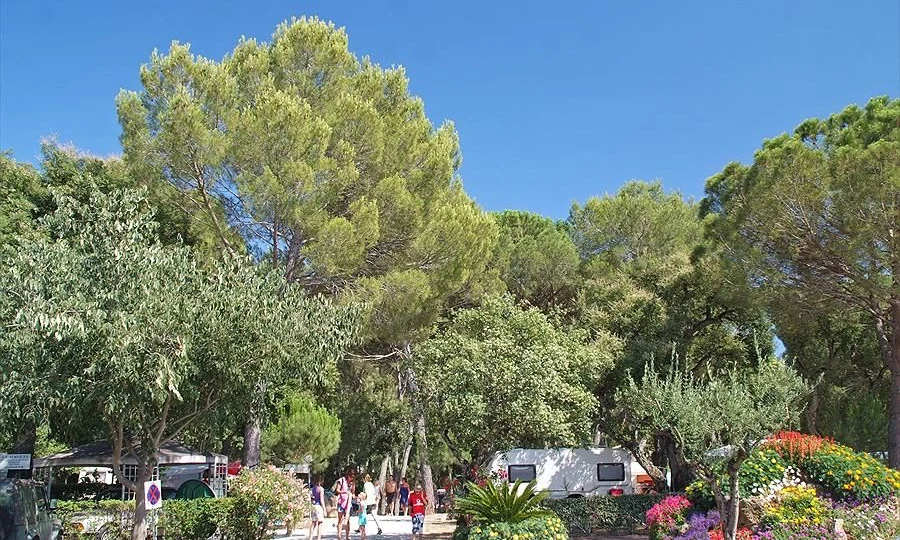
{"x":252,"y":435}
{"x":681,"y":472}
{"x":894,"y":365}
{"x":812,"y":413}
{"x":141,"y":527}
{"x":421,"y":435}
{"x":382,"y":478}
{"x":639,"y":450}
{"x":734,"y":502}
{"x":404,"y":466}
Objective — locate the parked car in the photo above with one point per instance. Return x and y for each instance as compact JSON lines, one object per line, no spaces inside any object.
{"x":25,"y":513}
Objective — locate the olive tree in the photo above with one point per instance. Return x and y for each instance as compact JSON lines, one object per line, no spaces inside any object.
{"x":716,"y":424}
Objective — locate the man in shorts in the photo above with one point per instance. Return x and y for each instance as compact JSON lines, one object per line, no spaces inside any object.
{"x":390,"y":492}
{"x":417,"y":504}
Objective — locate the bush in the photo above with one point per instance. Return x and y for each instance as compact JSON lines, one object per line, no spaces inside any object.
{"x":667,"y":515}
{"x":546,"y":527}
{"x":623,"y":513}
{"x":796,"y":506}
{"x":260,"y":497}
{"x":851,"y":475}
{"x":117,"y":516}
{"x":196,"y":519}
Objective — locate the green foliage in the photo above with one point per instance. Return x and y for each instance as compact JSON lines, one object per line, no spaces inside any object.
{"x":814,"y":222}
{"x":303,"y":429}
{"x":536,"y":259}
{"x":735,"y":409}
{"x":849,"y":474}
{"x":195,"y":519}
{"x":103,"y":322}
{"x":260,"y":497}
{"x":501,"y":502}
{"x":716,"y":424}
{"x":342,"y":179}
{"x":625,"y":513}
{"x":764,"y":467}
{"x":115,"y":514}
{"x":547,"y":527}
{"x":497,"y":360}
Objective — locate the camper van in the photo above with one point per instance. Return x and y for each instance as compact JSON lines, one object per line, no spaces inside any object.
{"x":572,"y":472}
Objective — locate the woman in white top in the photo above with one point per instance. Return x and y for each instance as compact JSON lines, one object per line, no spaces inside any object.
{"x":372,"y":497}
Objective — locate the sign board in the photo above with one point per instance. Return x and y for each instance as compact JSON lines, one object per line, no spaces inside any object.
{"x":20,"y":462}
{"x":153,"y":494}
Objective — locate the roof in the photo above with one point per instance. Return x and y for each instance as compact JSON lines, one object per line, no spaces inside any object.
{"x":100,"y":454}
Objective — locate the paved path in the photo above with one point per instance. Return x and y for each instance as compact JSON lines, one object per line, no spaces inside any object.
{"x":391,"y":526}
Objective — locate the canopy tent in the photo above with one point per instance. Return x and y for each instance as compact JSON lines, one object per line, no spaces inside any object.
{"x":100,"y":454}
{"x":171,"y":454}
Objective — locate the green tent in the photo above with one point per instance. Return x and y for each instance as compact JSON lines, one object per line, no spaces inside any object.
{"x":194,"y":489}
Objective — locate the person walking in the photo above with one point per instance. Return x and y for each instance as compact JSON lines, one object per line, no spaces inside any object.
{"x":317,"y":518}
{"x":362,"y":518}
{"x":371,"y":498}
{"x":417,"y":504}
{"x":404,"y":496}
{"x":344,"y":491}
{"x":390,"y":492}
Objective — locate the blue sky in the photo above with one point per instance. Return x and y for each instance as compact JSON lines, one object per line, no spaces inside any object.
{"x":554,"y":101}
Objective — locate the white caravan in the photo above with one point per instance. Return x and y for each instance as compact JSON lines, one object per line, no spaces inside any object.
{"x":572,"y":472}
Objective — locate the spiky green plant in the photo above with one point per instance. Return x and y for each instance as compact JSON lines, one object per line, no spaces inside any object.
{"x":504,"y":503}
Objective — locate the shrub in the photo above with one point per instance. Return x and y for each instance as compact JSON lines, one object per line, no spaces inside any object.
{"x":196,"y":519}
{"x":847,"y":474}
{"x":545,"y":527}
{"x":796,"y":506}
{"x":667,"y":515}
{"x":260,"y":497}
{"x":625,"y":512}
{"x":501,"y":503}
{"x":116,"y":516}
{"x":764,"y":472}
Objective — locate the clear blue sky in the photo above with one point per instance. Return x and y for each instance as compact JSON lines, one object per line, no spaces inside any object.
{"x":554,"y":101}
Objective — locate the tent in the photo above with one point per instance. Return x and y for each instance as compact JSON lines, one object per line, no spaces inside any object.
{"x":170,"y":454}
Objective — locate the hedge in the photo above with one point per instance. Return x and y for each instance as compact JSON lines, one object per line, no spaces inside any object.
{"x":537,"y":528}
{"x":622,"y":513}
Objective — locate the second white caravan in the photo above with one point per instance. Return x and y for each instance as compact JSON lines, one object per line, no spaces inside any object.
{"x":572,"y":472}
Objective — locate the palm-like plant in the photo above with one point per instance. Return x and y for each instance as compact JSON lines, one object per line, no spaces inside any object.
{"x":505,"y":503}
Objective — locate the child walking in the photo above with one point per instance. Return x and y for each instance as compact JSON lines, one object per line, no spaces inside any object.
{"x":362,"y":518}
{"x":417,"y":504}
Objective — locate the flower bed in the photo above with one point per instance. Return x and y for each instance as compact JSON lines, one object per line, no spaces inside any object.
{"x":807,"y":487}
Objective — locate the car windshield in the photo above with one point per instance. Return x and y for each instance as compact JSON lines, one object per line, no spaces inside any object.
{"x":7,"y":495}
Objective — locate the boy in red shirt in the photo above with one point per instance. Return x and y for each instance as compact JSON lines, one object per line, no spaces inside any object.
{"x":417,"y":503}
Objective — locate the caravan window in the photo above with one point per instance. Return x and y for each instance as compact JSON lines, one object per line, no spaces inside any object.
{"x":610,"y":472}
{"x":525,"y":473}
